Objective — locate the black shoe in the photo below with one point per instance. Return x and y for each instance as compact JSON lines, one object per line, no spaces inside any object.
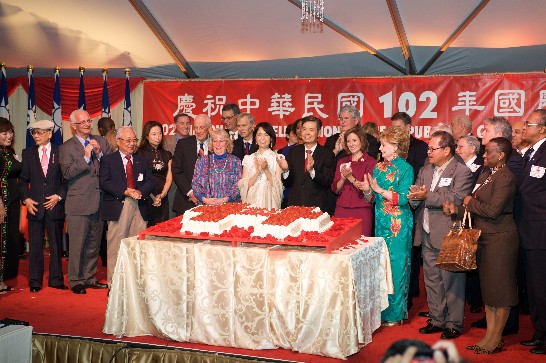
{"x":97,"y":285}
{"x":60,"y":287}
{"x":532,"y":342}
{"x":35,"y":289}
{"x":424,"y":314}
{"x":450,"y":334}
{"x":430,"y":329}
{"x":511,"y":331}
{"x":539,"y":350}
{"x":475,"y":309}
{"x":482,"y":323}
{"x":79,"y":289}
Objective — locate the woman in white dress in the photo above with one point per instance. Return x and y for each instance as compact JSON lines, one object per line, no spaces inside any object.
{"x":261,"y":183}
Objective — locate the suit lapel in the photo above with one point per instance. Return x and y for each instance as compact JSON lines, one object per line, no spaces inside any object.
{"x":119,"y":166}
{"x":37,"y":162}
{"x":447,"y":173}
{"x":525,"y":173}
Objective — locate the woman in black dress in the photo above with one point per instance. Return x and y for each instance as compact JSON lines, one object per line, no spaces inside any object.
{"x":10,"y":206}
{"x":151,"y":147}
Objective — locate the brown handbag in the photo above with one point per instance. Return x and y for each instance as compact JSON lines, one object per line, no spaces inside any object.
{"x":458,"y":251}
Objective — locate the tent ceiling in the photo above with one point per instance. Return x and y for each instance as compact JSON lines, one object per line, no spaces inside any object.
{"x":264,"y":38}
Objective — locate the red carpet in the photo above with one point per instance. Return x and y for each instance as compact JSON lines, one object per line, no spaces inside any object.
{"x":62,"y":312}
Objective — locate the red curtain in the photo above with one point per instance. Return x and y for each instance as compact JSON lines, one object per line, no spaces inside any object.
{"x":43,"y":88}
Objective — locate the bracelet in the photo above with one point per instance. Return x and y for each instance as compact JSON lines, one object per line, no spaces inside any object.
{"x":367,"y":194}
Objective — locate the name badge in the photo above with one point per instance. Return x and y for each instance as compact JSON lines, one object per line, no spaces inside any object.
{"x":476,"y":187}
{"x":140,"y":177}
{"x":474,"y":167}
{"x":444,"y":182}
{"x":537,"y":171}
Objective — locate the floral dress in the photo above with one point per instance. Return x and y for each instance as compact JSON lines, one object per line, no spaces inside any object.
{"x":394,"y":222}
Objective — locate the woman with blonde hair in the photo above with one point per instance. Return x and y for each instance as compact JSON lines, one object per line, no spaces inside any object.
{"x":388,"y":189}
{"x":216,"y":174}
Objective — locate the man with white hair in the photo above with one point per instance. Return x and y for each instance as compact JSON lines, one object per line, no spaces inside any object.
{"x":80,"y":157}
{"x":244,"y":144}
{"x":126,"y":180}
{"x":43,"y":191}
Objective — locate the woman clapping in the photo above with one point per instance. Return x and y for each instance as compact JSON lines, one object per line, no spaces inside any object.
{"x":350,"y":170}
{"x":261,"y":184}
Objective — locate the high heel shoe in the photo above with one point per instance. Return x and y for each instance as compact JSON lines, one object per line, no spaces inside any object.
{"x":472,"y":347}
{"x":497,"y":349}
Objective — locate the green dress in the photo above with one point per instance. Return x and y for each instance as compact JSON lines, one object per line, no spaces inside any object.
{"x":394,"y":222}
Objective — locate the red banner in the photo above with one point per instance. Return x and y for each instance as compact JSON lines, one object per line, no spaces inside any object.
{"x":427,"y":99}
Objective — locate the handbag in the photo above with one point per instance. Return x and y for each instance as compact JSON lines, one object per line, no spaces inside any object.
{"x":458,"y":251}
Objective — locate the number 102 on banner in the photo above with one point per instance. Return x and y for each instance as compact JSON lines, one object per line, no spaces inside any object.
{"x":407,"y":102}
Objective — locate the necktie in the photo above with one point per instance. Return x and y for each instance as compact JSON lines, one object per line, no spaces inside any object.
{"x":527,"y":155}
{"x":44,"y":161}
{"x":201,"y":151}
{"x":129,"y":172}
{"x":85,"y":143}
{"x":435,"y":178}
{"x":308,"y":153}
{"x":247,"y":148}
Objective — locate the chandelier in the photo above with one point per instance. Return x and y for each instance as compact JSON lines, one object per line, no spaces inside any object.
{"x":312,"y":15}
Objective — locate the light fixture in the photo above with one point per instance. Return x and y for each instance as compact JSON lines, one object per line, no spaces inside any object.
{"x":312,"y":15}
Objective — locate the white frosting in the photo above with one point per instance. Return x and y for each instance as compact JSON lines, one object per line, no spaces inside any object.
{"x":253,"y":217}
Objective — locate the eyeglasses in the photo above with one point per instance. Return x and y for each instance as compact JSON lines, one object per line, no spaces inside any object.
{"x":227,"y":118}
{"x":128,"y":141}
{"x":84,"y":122}
{"x":431,"y":149}
{"x":39,"y":132}
{"x":345,"y":119}
{"x":526,"y":123}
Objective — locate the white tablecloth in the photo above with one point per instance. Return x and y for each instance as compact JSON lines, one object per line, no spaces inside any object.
{"x":250,"y":297}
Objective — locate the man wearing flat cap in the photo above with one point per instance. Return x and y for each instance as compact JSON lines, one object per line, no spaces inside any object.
{"x":43,"y":191}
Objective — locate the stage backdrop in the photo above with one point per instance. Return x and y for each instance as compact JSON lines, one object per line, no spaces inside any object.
{"x":428,"y":100}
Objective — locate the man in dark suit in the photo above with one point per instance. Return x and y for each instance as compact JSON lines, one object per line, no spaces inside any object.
{"x":80,"y":161}
{"x":230,"y":112}
{"x":309,"y":168}
{"x":185,"y":155}
{"x":442,"y":179}
{"x":126,"y":180}
{"x":244,"y":144}
{"x":531,"y":220}
{"x":417,"y":154}
{"x":43,"y":192}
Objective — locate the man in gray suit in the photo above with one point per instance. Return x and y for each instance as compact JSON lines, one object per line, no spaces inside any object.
{"x":80,"y":160}
{"x":443,"y":179}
